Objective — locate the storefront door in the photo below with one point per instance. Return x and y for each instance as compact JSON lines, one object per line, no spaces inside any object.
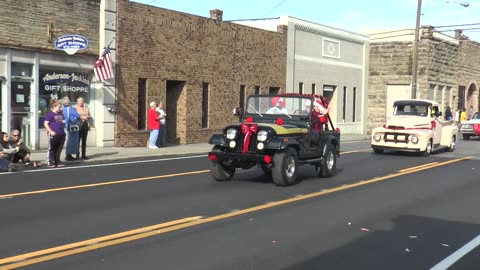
{"x":20,"y":101}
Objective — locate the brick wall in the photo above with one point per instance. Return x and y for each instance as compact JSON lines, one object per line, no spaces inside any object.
{"x":25,"y":23}
{"x":163,"y":45}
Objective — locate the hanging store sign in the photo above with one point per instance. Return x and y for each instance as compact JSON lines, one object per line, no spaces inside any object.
{"x":71,"y":43}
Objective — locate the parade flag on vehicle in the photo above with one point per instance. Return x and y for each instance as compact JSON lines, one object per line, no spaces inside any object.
{"x":103,"y":67}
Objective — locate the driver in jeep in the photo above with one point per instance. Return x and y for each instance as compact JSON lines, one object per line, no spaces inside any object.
{"x":278,"y":106}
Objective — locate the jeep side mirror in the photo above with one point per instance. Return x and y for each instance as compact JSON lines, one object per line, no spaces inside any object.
{"x":237,"y":111}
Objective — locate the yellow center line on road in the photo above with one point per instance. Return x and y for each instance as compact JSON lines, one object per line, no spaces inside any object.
{"x":196,"y":221}
{"x":419,"y":166}
{"x":354,"y":151}
{"x":97,"y":240}
{"x":116,"y":182}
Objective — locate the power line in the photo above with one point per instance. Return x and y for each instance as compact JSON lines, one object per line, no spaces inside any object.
{"x":279,"y":4}
{"x":456,"y":25}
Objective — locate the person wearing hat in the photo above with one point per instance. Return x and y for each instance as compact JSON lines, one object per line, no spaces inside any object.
{"x":317,"y":121}
{"x":278,"y":106}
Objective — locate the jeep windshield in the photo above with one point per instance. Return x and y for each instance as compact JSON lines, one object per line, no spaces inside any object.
{"x":278,"y":106}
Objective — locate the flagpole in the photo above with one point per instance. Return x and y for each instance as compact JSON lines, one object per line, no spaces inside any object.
{"x":108,"y":46}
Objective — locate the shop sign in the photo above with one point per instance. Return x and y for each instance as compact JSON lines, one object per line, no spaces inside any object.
{"x":71,"y":43}
{"x":65,"y":82}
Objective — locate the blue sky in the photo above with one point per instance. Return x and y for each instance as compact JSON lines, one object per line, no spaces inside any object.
{"x":352,"y":15}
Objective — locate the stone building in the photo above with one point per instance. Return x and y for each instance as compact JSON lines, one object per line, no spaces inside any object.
{"x":448,"y":70}
{"x":33,"y":70}
{"x":199,"y":67}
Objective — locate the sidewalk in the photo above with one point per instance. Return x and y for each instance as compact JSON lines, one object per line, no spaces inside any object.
{"x":105,"y":154}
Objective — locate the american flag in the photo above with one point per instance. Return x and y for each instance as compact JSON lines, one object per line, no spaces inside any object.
{"x":103,"y":67}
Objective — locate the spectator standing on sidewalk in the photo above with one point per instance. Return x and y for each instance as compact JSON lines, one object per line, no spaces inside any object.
{"x":470,"y":112}
{"x":55,"y":125}
{"x":84,"y":127}
{"x":162,"y":128}
{"x":153,"y":124}
{"x":72,"y":122}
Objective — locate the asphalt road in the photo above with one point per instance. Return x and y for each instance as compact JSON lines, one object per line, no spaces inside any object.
{"x":391,"y":211}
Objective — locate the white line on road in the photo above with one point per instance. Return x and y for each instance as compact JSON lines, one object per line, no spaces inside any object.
{"x":457,"y":255}
{"x":109,"y":164}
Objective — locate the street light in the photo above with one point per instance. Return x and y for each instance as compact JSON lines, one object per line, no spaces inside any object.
{"x":415,"y":47}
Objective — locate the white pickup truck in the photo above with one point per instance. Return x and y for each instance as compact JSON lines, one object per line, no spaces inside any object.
{"x":415,"y":127}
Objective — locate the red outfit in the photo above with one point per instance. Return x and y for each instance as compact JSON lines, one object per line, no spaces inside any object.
{"x":316,"y":123}
{"x":153,"y":122}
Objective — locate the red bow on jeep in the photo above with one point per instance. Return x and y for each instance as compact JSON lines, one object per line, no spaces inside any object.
{"x":247,"y":130}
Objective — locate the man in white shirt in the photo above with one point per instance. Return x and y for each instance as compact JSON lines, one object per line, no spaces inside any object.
{"x":161,"y":132}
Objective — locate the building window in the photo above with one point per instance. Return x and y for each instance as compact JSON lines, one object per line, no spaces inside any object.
{"x":272,"y":90}
{"x":344,"y":103}
{"x":314,"y":88}
{"x":354,"y":104}
{"x":242,"y":96}
{"x":257,"y":90}
{"x":142,"y":104}
{"x":57,"y":84}
{"x":300,"y":88}
{"x":205,"y":105}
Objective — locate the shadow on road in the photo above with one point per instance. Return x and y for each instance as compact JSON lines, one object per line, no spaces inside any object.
{"x":412,"y":243}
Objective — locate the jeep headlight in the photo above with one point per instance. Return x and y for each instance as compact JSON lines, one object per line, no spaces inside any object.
{"x":231,"y":133}
{"x":377,"y":137}
{"x":262,"y":135}
{"x":414,"y":139}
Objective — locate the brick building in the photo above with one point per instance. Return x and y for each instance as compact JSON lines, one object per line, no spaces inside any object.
{"x":33,"y":70}
{"x":199,"y":67}
{"x":448,"y":70}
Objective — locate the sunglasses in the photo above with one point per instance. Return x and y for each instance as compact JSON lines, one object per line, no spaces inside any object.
{"x":16,"y":135}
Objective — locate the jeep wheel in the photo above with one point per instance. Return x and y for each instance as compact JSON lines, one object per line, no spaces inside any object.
{"x":329,"y":163}
{"x":466,"y":137}
{"x":429,"y":148}
{"x":377,"y":151}
{"x":222,"y":172}
{"x":451,"y":147}
{"x":284,"y":171}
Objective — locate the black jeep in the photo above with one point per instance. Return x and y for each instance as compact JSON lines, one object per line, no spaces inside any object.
{"x":276,"y":133}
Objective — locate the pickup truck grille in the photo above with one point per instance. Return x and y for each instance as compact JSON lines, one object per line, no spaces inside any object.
{"x":396,"y":137}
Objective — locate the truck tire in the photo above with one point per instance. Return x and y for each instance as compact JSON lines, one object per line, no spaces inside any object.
{"x":466,"y":137}
{"x":377,"y":151}
{"x":428,"y":149}
{"x":453,"y":141}
{"x":284,"y":171}
{"x":329,"y":163}
{"x":221,"y":172}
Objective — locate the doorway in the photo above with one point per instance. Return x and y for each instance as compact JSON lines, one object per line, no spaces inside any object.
{"x":472,"y":99}
{"x":272,"y":90}
{"x":20,"y":101}
{"x":176,"y":112}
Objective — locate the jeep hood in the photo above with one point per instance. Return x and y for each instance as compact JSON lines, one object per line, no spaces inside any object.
{"x":408,"y":122}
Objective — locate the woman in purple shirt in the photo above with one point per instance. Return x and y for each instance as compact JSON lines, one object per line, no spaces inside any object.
{"x":55,"y":125}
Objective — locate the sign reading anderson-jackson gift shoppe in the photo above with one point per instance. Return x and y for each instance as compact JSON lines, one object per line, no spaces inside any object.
{"x":71,"y":43}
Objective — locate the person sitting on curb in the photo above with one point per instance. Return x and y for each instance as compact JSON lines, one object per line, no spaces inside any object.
{"x":6,"y":154}
{"x":23,"y":153}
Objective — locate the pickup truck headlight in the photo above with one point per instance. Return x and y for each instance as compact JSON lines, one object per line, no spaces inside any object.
{"x":262,"y":135}
{"x":377,"y":137}
{"x":414,"y":139}
{"x":231,"y":133}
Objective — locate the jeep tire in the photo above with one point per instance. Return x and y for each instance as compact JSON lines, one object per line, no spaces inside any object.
{"x":221,"y":172}
{"x":284,"y":171}
{"x":329,"y":162}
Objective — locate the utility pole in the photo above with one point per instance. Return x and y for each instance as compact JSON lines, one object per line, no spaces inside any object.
{"x":415,"y":51}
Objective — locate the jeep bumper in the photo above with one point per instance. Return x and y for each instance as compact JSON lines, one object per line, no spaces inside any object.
{"x":236,"y":157}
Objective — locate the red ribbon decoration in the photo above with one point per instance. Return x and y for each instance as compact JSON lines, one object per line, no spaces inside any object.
{"x":247,"y":130}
